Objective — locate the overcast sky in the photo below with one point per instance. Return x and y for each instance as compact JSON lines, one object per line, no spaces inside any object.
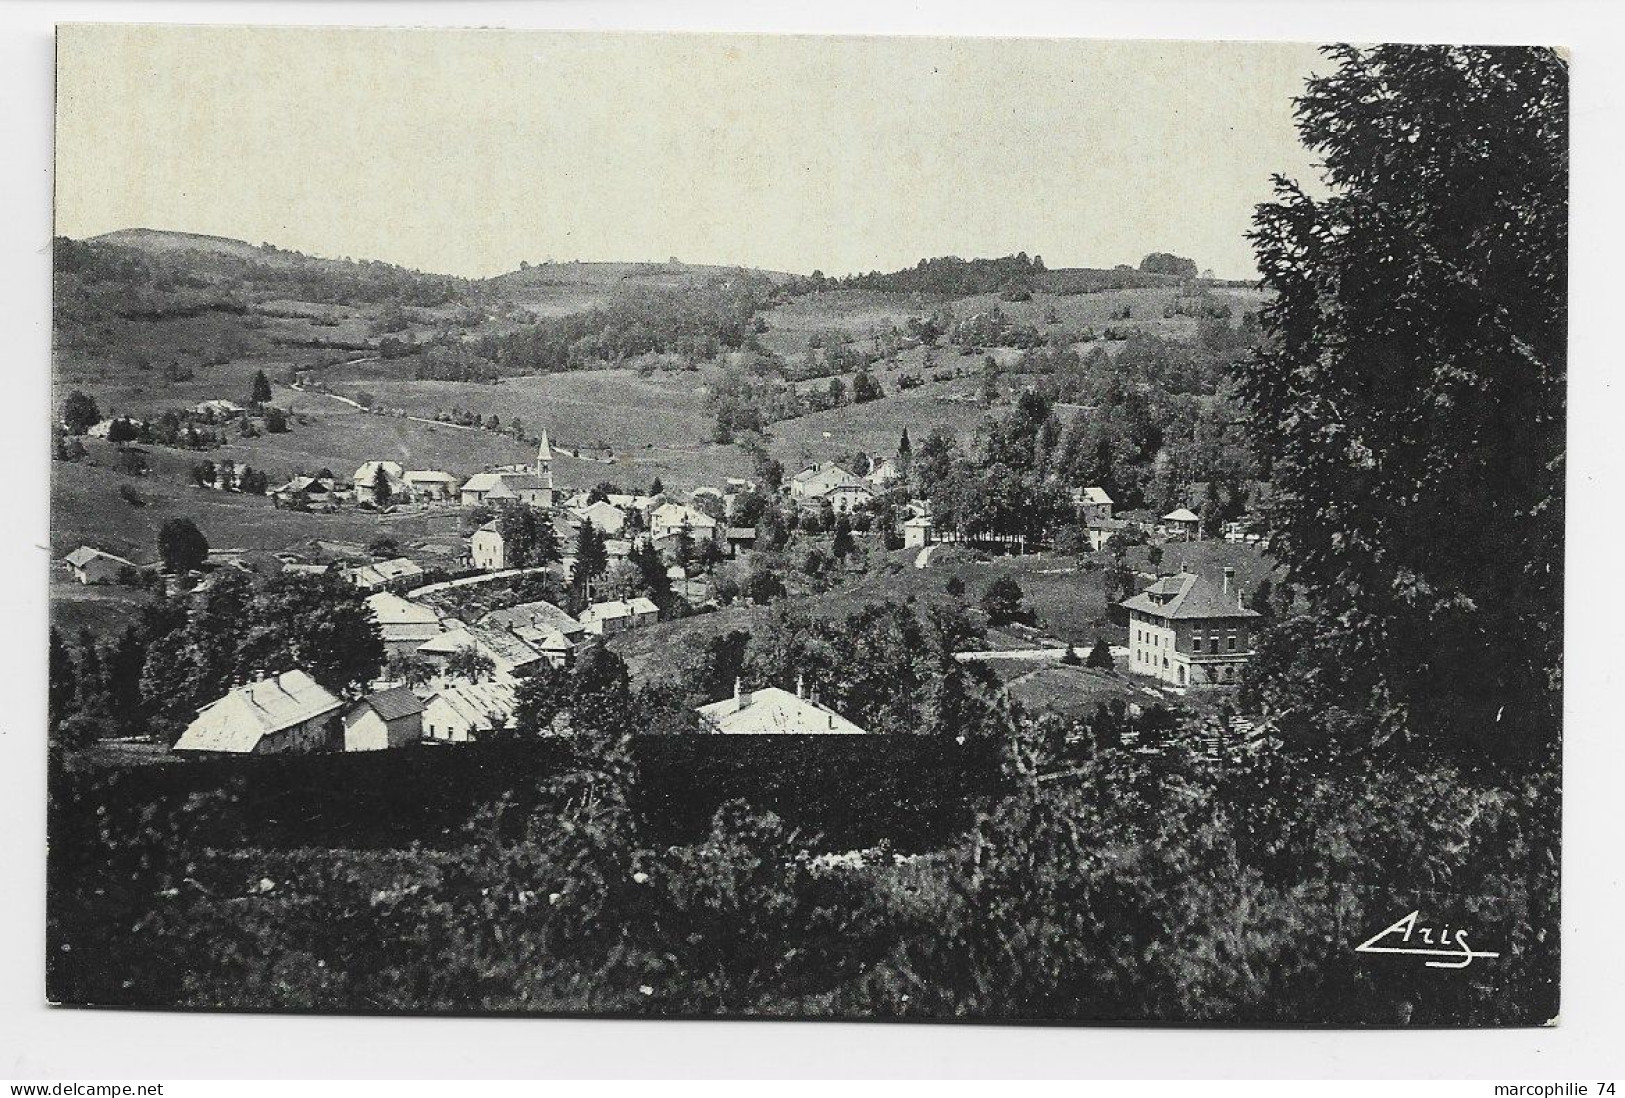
{"x":465,"y":152}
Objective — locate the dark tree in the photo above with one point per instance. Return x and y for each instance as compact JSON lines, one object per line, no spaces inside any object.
{"x":1003,"y":601}
{"x":261,"y":391}
{"x":841,"y":543}
{"x":382,"y":491}
{"x":1410,"y":393}
{"x":64,"y":680}
{"x":1100,"y":656}
{"x":79,"y":413}
{"x":182,"y":546}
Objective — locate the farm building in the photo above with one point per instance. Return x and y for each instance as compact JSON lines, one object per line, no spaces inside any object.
{"x":844,"y":491}
{"x":431,"y":485}
{"x":533,"y":489}
{"x":1185,"y":631}
{"x":459,"y":714}
{"x":94,"y":566}
{"x":608,"y":618}
{"x":219,"y":409}
{"x":772,"y":711}
{"x":385,"y":720}
{"x":290,"y":712}
{"x":365,"y":481}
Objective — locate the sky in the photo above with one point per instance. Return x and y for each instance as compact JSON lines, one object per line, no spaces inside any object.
{"x":465,"y":152}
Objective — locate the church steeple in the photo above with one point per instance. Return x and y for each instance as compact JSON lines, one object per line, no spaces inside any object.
{"x":544,"y":454}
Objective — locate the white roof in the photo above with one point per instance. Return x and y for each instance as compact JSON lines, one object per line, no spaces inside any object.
{"x":644,"y":605}
{"x":368,"y":472}
{"x":237,"y":722}
{"x":390,"y":609}
{"x":85,"y":554}
{"x":1095,"y":495}
{"x":481,"y":482}
{"x":1181,"y":515}
{"x":675,"y":514}
{"x":480,"y":704}
{"x":771,"y":710}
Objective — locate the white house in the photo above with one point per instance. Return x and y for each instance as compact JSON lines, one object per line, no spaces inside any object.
{"x":532,"y":489}
{"x":609,"y":618}
{"x":605,"y":517}
{"x":1186,"y":632}
{"x":486,"y":549}
{"x":1093,"y":504}
{"x":94,"y":566}
{"x":290,"y":712}
{"x":771,"y":711}
{"x":462,"y":713}
{"x":670,"y":518}
{"x":844,"y":491}
{"x":385,"y":720}
{"x":918,"y":532}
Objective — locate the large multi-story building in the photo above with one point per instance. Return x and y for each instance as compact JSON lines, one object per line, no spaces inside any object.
{"x":1186,"y":632}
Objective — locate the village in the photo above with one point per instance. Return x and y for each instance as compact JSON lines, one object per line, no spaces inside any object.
{"x":452,"y":664}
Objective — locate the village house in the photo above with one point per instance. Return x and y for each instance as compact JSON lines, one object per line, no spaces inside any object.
{"x":402,"y":623}
{"x":385,"y":720}
{"x":510,"y":656}
{"x":1093,"y":505}
{"x":604,"y":516}
{"x":772,"y":711}
{"x":290,"y":712}
{"x":1185,"y":631}
{"x":487,"y":550}
{"x":91,"y":566}
{"x":431,"y":485}
{"x":668,"y":519}
{"x":397,"y":572}
{"x":459,"y":714}
{"x":531,"y":489}
{"x":318,"y":491}
{"x":608,"y":618}
{"x":533,"y":613}
{"x":884,"y":474}
{"x":844,"y":491}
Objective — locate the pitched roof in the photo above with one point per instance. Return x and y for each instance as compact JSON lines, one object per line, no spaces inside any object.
{"x":521,"y":482}
{"x":505,"y":649}
{"x":532,"y":613}
{"x":237,"y":722}
{"x":1187,"y":596}
{"x":429,"y":476}
{"x":821,"y":481}
{"x":391,"y":609}
{"x":1180,"y":515}
{"x":771,"y":710}
{"x":365,"y":475}
{"x":477,"y":703}
{"x":544,"y":452}
{"x":481,"y":482}
{"x":391,"y":704}
{"x":85,"y":554}
{"x":1094,"y":495}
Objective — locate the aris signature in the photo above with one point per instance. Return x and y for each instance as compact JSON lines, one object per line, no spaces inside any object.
{"x":1406,"y":936}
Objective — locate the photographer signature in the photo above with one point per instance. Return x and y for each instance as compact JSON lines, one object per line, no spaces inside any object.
{"x":1405,"y":936}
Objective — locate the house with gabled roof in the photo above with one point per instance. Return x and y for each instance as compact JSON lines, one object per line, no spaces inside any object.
{"x":468,"y":711}
{"x":510,"y":656}
{"x":91,"y":566}
{"x":617,"y":616}
{"x":1186,"y":631}
{"x":365,"y":481}
{"x":279,"y":714}
{"x":843,"y":491}
{"x":396,"y":572}
{"x":403,"y":623}
{"x":431,"y":484}
{"x":388,"y":719}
